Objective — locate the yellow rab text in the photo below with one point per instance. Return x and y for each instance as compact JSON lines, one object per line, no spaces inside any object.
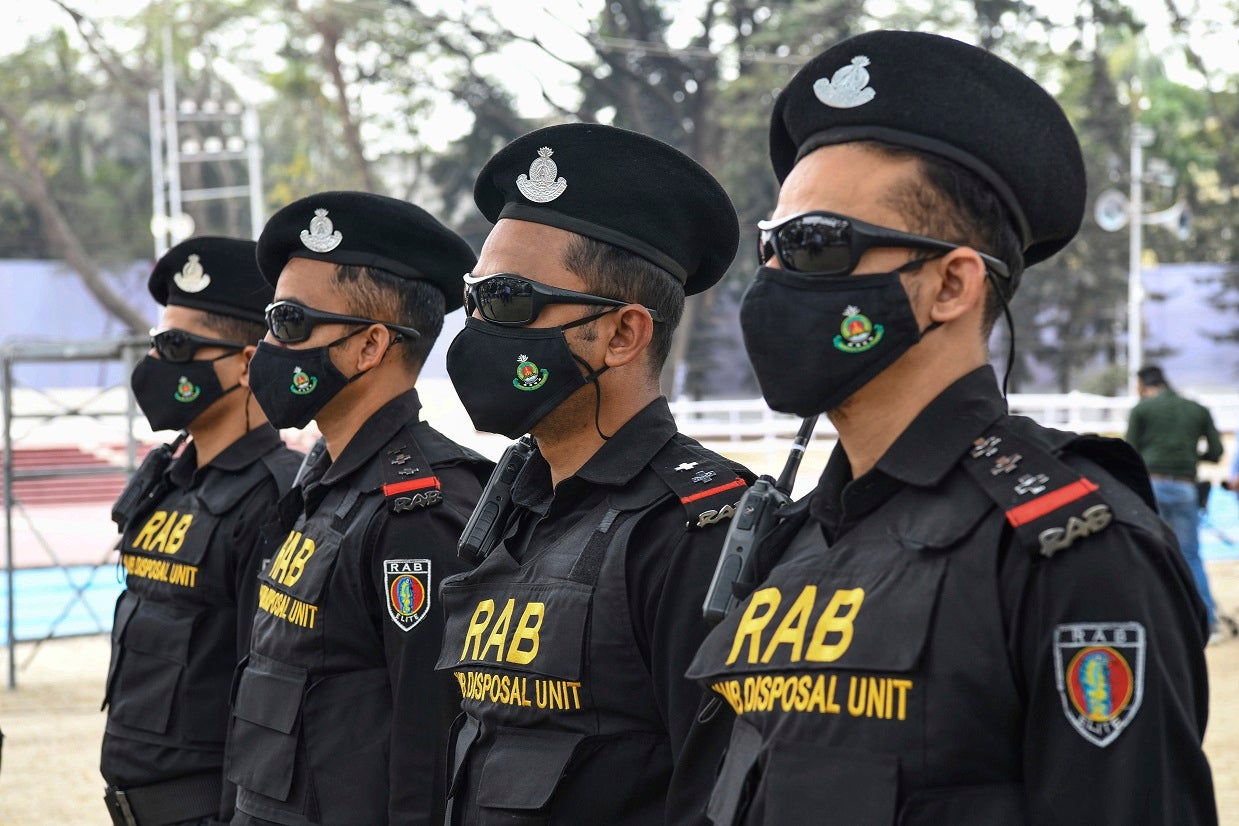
{"x":523,"y":647}
{"x":285,"y":607}
{"x":831,"y":633}
{"x":881,"y":698}
{"x":511,"y":690}
{"x":163,"y":532}
{"x":289,"y":563}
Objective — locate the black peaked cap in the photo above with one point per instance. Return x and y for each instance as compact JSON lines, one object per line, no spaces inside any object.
{"x":361,"y":229}
{"x":216,"y":275}
{"x":951,"y":99}
{"x":620,"y":187}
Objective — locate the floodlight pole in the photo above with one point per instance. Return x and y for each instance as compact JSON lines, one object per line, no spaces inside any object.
{"x":1141,"y":136}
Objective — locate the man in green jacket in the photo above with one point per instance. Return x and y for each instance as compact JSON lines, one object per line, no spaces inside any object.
{"x":1166,"y":429}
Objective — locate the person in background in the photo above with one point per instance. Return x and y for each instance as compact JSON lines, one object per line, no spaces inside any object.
{"x":191,"y":540}
{"x":1167,"y":430}
{"x":338,"y":716}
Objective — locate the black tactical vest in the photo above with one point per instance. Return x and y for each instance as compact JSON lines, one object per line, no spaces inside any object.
{"x":871,"y":680}
{"x":552,"y":678}
{"x":312,"y":703}
{"x":174,"y":638}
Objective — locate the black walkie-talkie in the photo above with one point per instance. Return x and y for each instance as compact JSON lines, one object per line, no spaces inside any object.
{"x":481,"y":533}
{"x":756,"y":515}
{"x":146,"y":484}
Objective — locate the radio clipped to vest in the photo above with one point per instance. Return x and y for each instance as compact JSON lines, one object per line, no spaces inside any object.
{"x":756,"y":516}
{"x":481,"y":533}
{"x":147,"y":485}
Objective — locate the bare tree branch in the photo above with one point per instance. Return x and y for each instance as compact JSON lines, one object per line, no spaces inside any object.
{"x":33,"y":184}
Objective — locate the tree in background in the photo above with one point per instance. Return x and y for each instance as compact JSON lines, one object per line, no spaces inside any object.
{"x":346,"y":90}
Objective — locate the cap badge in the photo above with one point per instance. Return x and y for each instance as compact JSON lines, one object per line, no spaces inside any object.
{"x":528,"y":376}
{"x":192,"y":278}
{"x":186,"y":390}
{"x":540,"y":185}
{"x":857,"y":333}
{"x":848,"y":88}
{"x":303,"y":382}
{"x":322,"y":236}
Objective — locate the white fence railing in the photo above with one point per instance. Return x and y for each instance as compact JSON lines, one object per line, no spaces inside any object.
{"x":744,"y":420}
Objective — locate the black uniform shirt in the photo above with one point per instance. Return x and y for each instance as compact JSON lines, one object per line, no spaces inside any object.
{"x":667,"y":569}
{"x":974,"y":671}
{"x":225,"y":584}
{"x":355,"y":634}
{"x":666,"y":566}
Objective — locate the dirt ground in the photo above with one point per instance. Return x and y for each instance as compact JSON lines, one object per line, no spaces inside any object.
{"x":52,"y":725}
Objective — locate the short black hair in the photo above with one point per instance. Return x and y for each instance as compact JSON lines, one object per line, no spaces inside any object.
{"x":1151,"y":375}
{"x":383,"y":296}
{"x":959,"y":207}
{"x":612,"y":272}
{"x":231,"y":328}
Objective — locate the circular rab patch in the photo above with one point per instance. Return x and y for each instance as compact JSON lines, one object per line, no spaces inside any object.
{"x":857,"y":333}
{"x":407,"y":595}
{"x":1099,"y":683}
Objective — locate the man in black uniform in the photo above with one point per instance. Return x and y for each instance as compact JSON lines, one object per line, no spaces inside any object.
{"x":191,"y":543}
{"x":973,"y":619}
{"x":570,"y":639}
{"x":338,"y":716}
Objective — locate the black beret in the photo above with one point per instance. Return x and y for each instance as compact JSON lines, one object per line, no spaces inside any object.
{"x":217,"y":275}
{"x":620,"y":187}
{"x":365,"y":230}
{"x":950,"y":99}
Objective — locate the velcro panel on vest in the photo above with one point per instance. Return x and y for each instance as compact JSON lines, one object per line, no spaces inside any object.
{"x":707,"y":488}
{"x":409,"y":482}
{"x":587,"y":566}
{"x":1047,"y":503}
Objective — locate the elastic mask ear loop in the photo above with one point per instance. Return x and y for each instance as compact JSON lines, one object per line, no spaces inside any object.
{"x":1006,"y":313}
{"x":592,"y":375}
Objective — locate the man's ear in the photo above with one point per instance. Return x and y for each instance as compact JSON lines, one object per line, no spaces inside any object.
{"x":375,"y":341}
{"x":631,"y":332}
{"x":957,"y":286}
{"x":247,"y":353}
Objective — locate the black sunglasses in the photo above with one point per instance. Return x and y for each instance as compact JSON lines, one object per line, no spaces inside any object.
{"x":290,"y":322}
{"x":511,"y":300}
{"x":826,"y":243}
{"x":178,"y":346}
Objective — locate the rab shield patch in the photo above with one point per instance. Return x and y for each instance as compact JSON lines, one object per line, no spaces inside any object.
{"x":1099,"y":671}
{"x":408,"y":590}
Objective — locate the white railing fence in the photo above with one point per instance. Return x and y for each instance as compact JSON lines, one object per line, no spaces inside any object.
{"x":749,"y":420}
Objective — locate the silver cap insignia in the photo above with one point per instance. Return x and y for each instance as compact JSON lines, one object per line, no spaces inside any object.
{"x":192,"y":278}
{"x":540,"y":185}
{"x":322,"y":236}
{"x":848,"y":88}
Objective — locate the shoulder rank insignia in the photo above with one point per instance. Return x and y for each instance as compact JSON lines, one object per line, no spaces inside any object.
{"x":408,"y":480}
{"x":708,"y":489}
{"x":1049,"y":505}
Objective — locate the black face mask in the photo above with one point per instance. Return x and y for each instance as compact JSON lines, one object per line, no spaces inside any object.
{"x":510,"y":378}
{"x":173,"y":394}
{"x":814,"y":340}
{"x":293,"y":385}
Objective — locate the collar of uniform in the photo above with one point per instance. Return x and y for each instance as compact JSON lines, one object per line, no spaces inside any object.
{"x":616,"y":463}
{"x":378,"y":430}
{"x":927,"y":450}
{"x":237,"y":456}
{"x":922,"y":455}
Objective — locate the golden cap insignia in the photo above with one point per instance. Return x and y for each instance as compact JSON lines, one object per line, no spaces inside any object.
{"x":540,"y":185}
{"x":322,"y":235}
{"x":848,"y":88}
{"x":192,"y":278}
